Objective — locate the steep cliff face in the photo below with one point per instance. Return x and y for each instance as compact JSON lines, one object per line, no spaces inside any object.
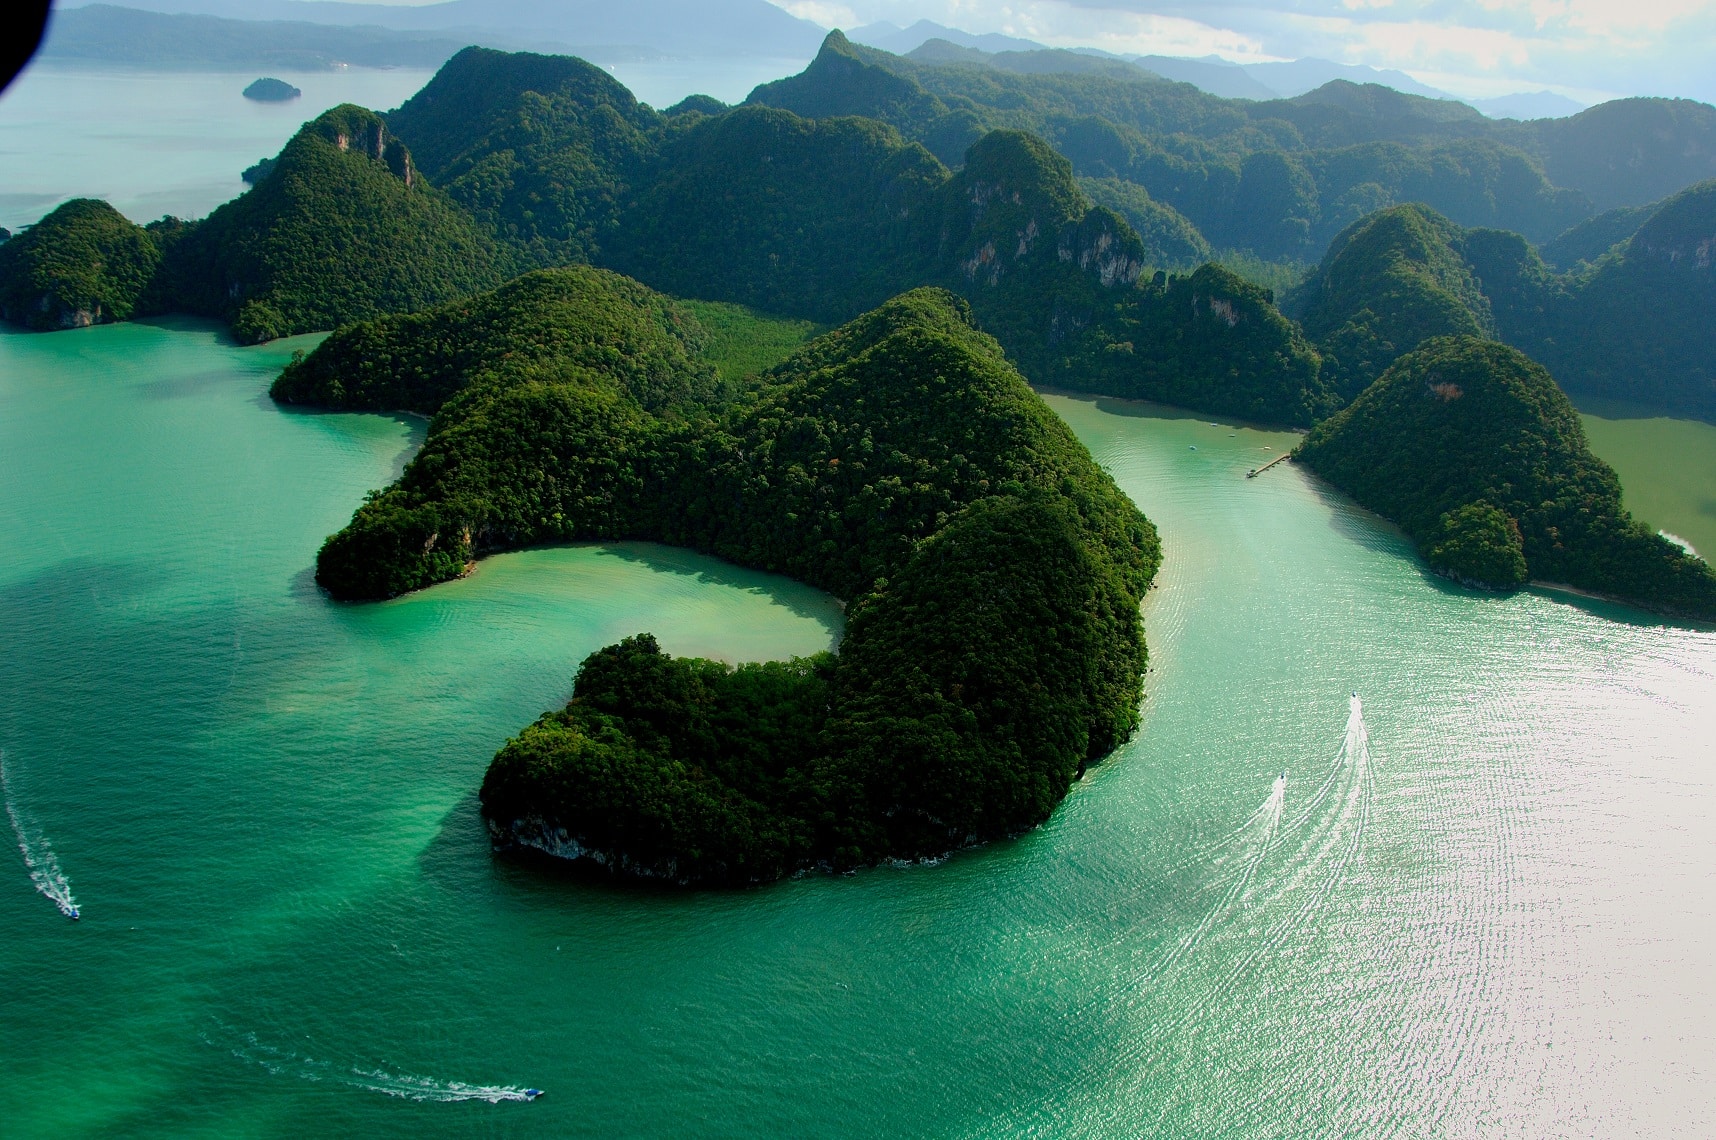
{"x":1059,"y":282}
{"x":359,"y":131}
{"x":84,"y":264}
{"x":1014,"y":209}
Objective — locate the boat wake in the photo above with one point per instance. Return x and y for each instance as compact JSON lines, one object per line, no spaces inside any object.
{"x":1245,"y":850}
{"x":282,"y":1062}
{"x":38,"y":853}
{"x":1271,"y":876}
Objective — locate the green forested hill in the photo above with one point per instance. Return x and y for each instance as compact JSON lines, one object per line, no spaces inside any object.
{"x":1474,"y":451}
{"x":1635,"y":325}
{"x":542,"y":150}
{"x":1627,"y":152}
{"x":1640,"y":324}
{"x":83,"y":264}
{"x":590,"y":319}
{"x":1280,"y":178}
{"x":1277,"y":178}
{"x":1388,"y":283}
{"x":813,"y":217}
{"x":821,"y":218}
{"x":993,"y":646}
{"x":342,"y":227}
{"x":1169,"y":238}
{"x":548,"y":161}
{"x":1595,"y":236}
{"x":1061,"y":284}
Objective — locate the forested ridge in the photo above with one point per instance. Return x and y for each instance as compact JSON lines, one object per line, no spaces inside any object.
{"x":508,"y":161}
{"x":1281,"y":177}
{"x":1633,"y":324}
{"x":540,"y":160}
{"x":992,"y":571}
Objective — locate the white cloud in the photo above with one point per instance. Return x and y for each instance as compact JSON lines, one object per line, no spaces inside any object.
{"x":1061,"y":25}
{"x":818,"y":12}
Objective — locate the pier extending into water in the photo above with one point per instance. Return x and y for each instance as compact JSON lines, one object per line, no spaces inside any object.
{"x":1256,"y":471}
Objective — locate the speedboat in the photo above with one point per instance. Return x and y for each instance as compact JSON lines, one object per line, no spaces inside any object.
{"x":532,"y":1094}
{"x":73,"y":914}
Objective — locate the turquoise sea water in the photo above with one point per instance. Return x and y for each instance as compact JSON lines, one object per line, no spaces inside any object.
{"x":175,"y":142}
{"x":1482,"y":908}
{"x":157,"y":142}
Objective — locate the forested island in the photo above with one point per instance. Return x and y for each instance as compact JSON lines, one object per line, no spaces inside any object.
{"x":1481,"y":459}
{"x":268,"y":90}
{"x":572,"y":284}
{"x":992,"y":572}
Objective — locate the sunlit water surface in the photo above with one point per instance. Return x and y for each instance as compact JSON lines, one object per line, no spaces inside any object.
{"x":1480,"y":907}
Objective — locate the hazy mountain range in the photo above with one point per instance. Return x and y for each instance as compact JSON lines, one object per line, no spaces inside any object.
{"x":302,"y":33}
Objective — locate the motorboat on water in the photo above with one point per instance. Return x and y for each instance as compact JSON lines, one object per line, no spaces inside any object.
{"x":532,"y":1094}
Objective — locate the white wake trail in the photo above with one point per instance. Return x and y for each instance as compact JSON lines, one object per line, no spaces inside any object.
{"x":38,"y":853}
{"x":1263,"y":824}
{"x":403,"y":1085}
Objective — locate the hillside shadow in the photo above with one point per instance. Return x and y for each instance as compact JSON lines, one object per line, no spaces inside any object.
{"x":1145,"y":409}
{"x":707,"y":569}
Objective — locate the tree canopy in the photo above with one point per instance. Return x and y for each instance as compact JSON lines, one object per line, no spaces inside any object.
{"x":992,"y":572}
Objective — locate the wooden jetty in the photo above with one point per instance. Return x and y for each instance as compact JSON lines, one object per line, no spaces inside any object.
{"x":1255,"y":472}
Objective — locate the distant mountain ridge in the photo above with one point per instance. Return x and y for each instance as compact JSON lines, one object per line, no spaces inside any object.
{"x":106,"y":33}
{"x":1070,"y":200}
{"x":690,"y":28}
{"x":426,"y":35}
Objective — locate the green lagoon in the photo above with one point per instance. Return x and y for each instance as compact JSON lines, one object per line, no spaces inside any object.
{"x":1667,"y":467}
{"x":1480,"y":908}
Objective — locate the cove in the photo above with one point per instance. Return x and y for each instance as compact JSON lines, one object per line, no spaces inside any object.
{"x":1491,"y":919}
{"x":1667,"y":467}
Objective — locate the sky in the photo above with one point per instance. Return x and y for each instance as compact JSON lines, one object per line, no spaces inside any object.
{"x":1588,"y":49}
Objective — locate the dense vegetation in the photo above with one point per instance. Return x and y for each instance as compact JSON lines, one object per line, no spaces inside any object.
{"x":269,"y":90}
{"x":1474,"y":451}
{"x":1389,"y":283}
{"x":548,"y":161}
{"x":1595,"y":236}
{"x":540,"y":149}
{"x":1634,"y":325}
{"x":1278,"y":178}
{"x":1637,"y":325}
{"x":744,"y":215}
{"x":342,"y":227}
{"x":83,"y":264}
{"x":993,"y":572}
{"x":592,"y":320}
{"x":819,"y":218}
